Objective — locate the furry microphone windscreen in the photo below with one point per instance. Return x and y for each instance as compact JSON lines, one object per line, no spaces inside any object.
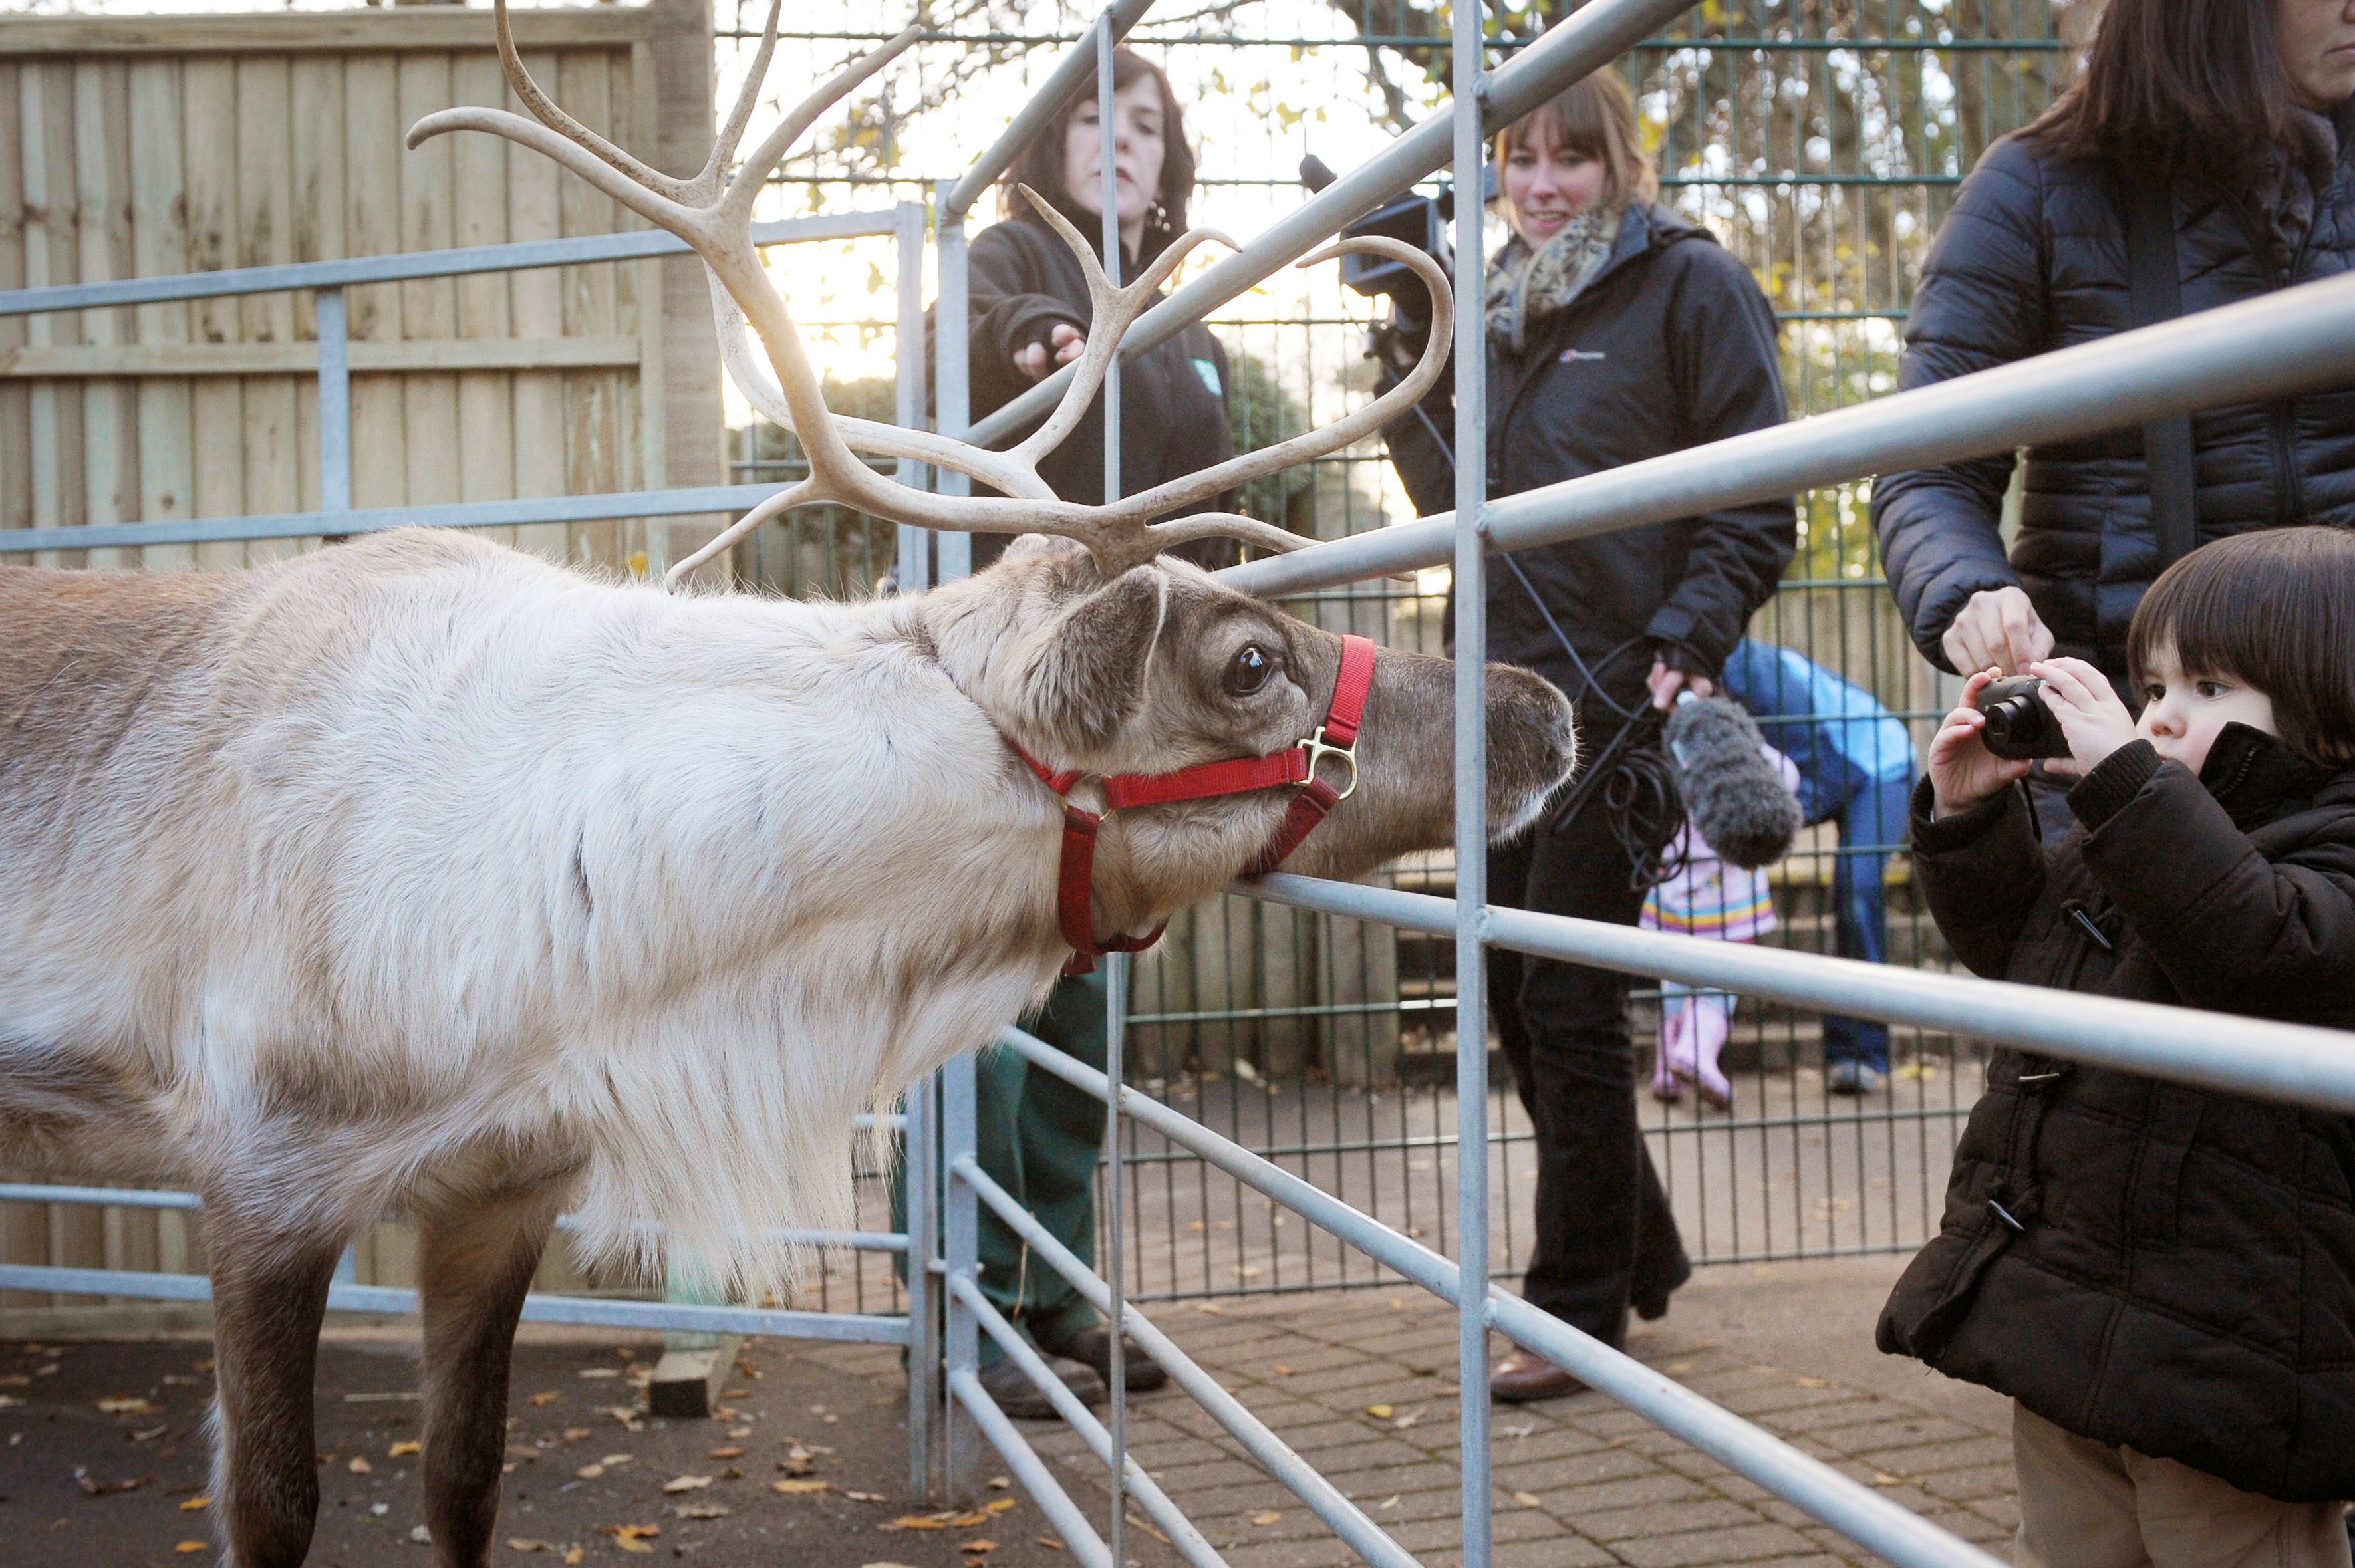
{"x":1733,"y":795}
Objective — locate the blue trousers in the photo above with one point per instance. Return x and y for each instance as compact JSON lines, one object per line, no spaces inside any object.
{"x":1871,"y":822}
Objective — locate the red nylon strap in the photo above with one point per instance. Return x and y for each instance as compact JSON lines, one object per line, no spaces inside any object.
{"x":1075,"y":876}
{"x":1349,"y":690}
{"x":1308,"y":809}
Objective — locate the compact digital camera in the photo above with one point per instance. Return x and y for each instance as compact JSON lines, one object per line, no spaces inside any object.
{"x":2019,"y":727}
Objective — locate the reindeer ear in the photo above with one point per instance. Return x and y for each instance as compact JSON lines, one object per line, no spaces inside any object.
{"x":1091,"y":677}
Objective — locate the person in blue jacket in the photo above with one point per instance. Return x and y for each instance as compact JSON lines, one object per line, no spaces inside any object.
{"x":1856,"y":764}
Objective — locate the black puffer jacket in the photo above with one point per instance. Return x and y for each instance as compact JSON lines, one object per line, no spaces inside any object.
{"x":1670,"y":345}
{"x":2032,"y":258}
{"x":1173,"y":401}
{"x":2176,"y":1273}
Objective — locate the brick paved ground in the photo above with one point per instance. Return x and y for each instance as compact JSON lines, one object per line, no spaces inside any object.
{"x":1577,"y":1480}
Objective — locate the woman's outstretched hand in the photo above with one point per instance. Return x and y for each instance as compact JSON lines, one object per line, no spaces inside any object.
{"x":2091,"y":715}
{"x":1064,"y":345}
{"x":1962,"y":771}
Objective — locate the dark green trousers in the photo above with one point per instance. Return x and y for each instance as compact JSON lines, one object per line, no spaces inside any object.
{"x":1040,"y":1140}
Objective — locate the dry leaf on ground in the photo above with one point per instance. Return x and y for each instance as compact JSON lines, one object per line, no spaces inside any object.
{"x":999,"y":1504}
{"x":687,"y":1483}
{"x":1379,"y":1411}
{"x":909,"y":1521}
{"x":702,"y":1510}
{"x":360,"y":1464}
{"x":549,"y":1398}
{"x":1270,"y":1516}
{"x":401,"y":1450}
{"x":108,"y":1489}
{"x":1528,"y":1499}
{"x":189,"y":1548}
{"x":126,"y":1405}
{"x":725,"y":1453}
{"x":195,"y":1505}
{"x":802,"y":1487}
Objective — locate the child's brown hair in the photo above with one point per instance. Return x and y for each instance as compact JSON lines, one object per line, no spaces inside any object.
{"x":2275,"y":608}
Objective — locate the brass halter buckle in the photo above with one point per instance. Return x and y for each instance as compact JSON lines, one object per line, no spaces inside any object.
{"x":1318,"y":751}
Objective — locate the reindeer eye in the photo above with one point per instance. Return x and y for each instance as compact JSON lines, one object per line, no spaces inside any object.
{"x":1250,"y":670}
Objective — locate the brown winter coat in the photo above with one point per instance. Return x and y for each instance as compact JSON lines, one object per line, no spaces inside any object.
{"x":2142,"y":1262}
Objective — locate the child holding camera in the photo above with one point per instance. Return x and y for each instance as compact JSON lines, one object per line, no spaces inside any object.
{"x":2162,"y":1278}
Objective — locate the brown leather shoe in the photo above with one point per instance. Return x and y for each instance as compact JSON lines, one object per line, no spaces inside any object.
{"x":1523,"y":1379}
{"x":1092,"y":1347}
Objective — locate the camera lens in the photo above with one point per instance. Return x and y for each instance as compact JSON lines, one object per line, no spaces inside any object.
{"x":2008,"y":716}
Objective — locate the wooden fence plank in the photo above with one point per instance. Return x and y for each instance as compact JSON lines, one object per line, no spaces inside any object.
{"x":428,"y":307}
{"x":159,"y":245}
{"x":266,"y":136}
{"x":102,"y":103}
{"x":591,"y":433}
{"x":210,"y":116}
{"x":536,"y":310}
{"x":316,"y":94}
{"x":479,"y":217}
{"x":53,"y":416}
{"x":372,"y":156}
{"x":15,"y":443}
{"x":346,"y":32}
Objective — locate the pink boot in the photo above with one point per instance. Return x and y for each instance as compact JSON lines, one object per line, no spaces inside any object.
{"x":1711,"y":1023}
{"x":1675,"y":1050}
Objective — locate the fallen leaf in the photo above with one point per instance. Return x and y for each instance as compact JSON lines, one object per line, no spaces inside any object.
{"x":126,"y":1405}
{"x":739,"y":1432}
{"x":1270,"y":1516}
{"x":402,"y":1449}
{"x":866,"y":1497}
{"x":195,"y":1505}
{"x":1282,"y":1370}
{"x":572,"y":1557}
{"x":801,"y":1488}
{"x":419,"y":1534}
{"x":1409,"y":1419}
{"x":979,"y":1547}
{"x":610,"y":1460}
{"x":1001,"y":1483}
{"x":725,"y":1453}
{"x":360,"y":1464}
{"x":1000,"y":1505}
{"x":575,"y":1434}
{"x":631,"y":1537}
{"x":1390,"y":1501}
{"x":152,"y":1431}
{"x":1051,"y":1543}
{"x":1517,"y":1431}
{"x":1528,"y":1499}
{"x":549,"y":1398}
{"x":598,"y":1372}
{"x":523,"y":1543}
{"x":189,"y":1548}
{"x":1815,"y":1382}
{"x":687,"y":1483}
{"x":1883,"y":1479}
{"x":1379,"y":1411}
{"x":590,"y":1472}
{"x":702,"y":1510}
{"x":108,"y":1489}
{"x":907,"y":1521}
{"x":9,"y":1402}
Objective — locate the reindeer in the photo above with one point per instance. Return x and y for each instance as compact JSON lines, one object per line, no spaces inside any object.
{"x":420,"y":877}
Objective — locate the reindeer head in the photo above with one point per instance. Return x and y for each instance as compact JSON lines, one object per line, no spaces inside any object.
{"x":1162,"y":668}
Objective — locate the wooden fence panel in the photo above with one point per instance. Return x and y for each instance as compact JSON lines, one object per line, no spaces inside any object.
{"x":135,"y":147}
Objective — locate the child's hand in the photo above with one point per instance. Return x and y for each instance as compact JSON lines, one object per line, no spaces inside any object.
{"x":1962,"y":771}
{"x":2091,"y":715}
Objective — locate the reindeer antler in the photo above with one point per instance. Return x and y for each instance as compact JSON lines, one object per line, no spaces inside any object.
{"x":713,"y":213}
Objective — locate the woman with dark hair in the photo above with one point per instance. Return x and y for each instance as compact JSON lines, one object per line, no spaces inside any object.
{"x":1037,"y":1136}
{"x":1030,"y":307}
{"x":1616,"y":331}
{"x":2203,"y":157}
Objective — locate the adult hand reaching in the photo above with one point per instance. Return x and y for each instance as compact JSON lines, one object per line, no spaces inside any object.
{"x":1997,"y":629}
{"x":1064,"y":345}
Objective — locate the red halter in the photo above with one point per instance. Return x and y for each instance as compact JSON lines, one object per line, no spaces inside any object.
{"x":1296,"y":764}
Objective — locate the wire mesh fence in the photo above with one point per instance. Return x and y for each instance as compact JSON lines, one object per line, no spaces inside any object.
{"x":1821,"y":140}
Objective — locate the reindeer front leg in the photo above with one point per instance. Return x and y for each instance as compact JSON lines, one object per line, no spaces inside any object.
{"x":269,"y":1291}
{"x":476,"y":1262}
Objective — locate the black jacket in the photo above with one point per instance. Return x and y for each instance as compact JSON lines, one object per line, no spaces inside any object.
{"x":2032,"y":258}
{"x":2177,"y":1272}
{"x":1173,"y":401}
{"x":1670,"y":345}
